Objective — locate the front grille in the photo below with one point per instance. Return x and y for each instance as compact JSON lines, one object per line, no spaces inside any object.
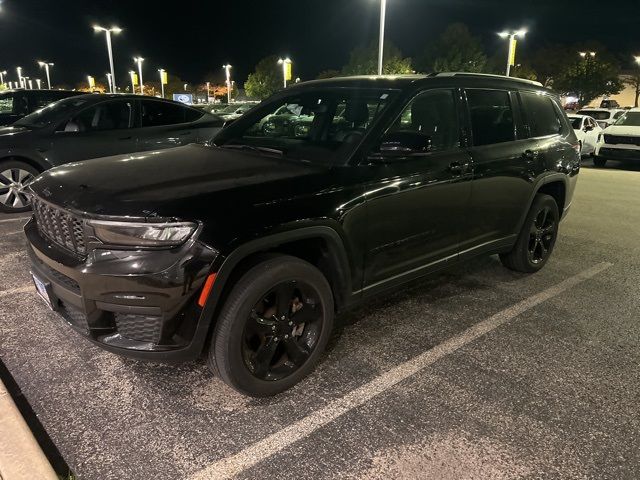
{"x":139,"y":327}
{"x":74,"y":316}
{"x":60,"y":226}
{"x":622,"y":140}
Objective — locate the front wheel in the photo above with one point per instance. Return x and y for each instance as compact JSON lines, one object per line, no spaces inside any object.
{"x":14,"y":177}
{"x":537,"y":238}
{"x":273,"y":327}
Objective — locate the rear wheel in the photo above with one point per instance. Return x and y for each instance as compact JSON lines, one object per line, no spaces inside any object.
{"x":273,"y":327}
{"x":537,"y":239}
{"x":599,"y":161}
{"x":14,"y":177}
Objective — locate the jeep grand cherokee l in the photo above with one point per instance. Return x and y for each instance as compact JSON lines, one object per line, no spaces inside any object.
{"x":245,"y":250}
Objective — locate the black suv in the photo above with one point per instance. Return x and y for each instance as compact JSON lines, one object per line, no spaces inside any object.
{"x":16,"y":104}
{"x":246,"y":249}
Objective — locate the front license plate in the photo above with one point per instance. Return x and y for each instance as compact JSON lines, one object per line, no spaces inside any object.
{"x":41,"y":288}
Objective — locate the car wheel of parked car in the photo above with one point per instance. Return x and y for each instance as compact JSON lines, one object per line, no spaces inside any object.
{"x":599,"y":162}
{"x":14,"y":176}
{"x":273,"y":327}
{"x":537,"y":238}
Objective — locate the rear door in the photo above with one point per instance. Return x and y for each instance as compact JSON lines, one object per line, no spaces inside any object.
{"x":164,"y":125}
{"x":505,"y":162}
{"x":101,"y":130}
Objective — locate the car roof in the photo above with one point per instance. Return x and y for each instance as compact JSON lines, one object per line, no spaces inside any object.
{"x":575,"y":115}
{"x":30,"y":92}
{"x":100,"y":97}
{"x":411,"y":81}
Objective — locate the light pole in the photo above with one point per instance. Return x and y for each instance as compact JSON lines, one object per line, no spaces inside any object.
{"x":110,"y":82}
{"x":227,"y":71}
{"x":2,"y":74}
{"x":286,"y":69}
{"x":139,"y":61}
{"x":19,"y":70}
{"x":30,"y":82}
{"x":132,"y":75}
{"x":511,"y":56}
{"x":108,"y":32}
{"x":46,"y":66}
{"x":39,"y":84}
{"x":162,"y":74}
{"x":383,"y":18}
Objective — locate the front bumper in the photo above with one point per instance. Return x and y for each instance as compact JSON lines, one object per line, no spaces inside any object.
{"x":140,"y":304}
{"x":609,"y":153}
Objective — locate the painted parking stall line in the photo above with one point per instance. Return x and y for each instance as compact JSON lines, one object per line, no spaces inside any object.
{"x":17,"y":219}
{"x":18,"y":290}
{"x":274,"y":443}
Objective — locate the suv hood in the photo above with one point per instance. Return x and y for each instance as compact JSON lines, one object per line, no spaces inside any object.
{"x":174,"y":183}
{"x":622,"y":130}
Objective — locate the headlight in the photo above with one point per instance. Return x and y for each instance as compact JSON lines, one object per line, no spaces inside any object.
{"x":302,"y":130}
{"x":142,"y":234}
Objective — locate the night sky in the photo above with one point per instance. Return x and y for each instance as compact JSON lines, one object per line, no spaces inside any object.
{"x":192,"y":38}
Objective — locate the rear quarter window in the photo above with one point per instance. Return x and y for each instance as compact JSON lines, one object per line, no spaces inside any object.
{"x":491,"y":115}
{"x":541,"y":114}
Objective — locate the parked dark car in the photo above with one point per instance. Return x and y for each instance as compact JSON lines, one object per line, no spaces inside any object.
{"x":15,"y":104}
{"x":247,"y":249}
{"x":91,"y":126}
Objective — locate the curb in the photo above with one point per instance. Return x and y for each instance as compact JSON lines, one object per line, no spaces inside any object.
{"x":21,"y":458}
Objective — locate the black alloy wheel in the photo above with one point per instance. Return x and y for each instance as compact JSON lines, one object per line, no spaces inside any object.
{"x":542,"y":236}
{"x":273,"y":326}
{"x":282,"y":330}
{"x":537,"y":238}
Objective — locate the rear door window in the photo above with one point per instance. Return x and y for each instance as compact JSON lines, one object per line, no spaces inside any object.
{"x":491,"y":115}
{"x":542,"y":116}
{"x":156,"y":114}
{"x":104,"y":116}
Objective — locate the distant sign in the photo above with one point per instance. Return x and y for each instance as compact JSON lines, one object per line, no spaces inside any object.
{"x":183,"y":98}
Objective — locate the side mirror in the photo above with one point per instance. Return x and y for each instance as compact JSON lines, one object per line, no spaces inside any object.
{"x":404,"y":144}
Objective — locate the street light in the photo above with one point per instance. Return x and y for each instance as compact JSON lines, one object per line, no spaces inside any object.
{"x":108,"y":32}
{"x":39,"y":84}
{"x":286,"y":66}
{"x":30,"y":82}
{"x":227,"y":71}
{"x":139,"y":61}
{"x":46,"y":66}
{"x":2,"y":74}
{"x":132,"y":75}
{"x":587,"y":54}
{"x":110,"y":82}
{"x":383,"y":17}
{"x":511,"y":56}
{"x":19,"y":70}
{"x":162,"y":73}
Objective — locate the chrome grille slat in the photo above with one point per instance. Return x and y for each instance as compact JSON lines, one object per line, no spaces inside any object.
{"x":60,"y":226}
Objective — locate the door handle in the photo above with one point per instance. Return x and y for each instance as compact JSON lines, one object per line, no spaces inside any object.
{"x":458,"y":167}
{"x":530,"y":155}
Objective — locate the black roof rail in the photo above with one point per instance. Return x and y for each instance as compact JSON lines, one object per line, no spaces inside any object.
{"x":470,"y":74}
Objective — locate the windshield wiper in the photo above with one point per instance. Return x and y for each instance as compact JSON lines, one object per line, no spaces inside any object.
{"x":271,"y":151}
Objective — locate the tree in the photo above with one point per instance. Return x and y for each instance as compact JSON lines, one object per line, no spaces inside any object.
{"x":524,"y":70}
{"x":328,"y":74}
{"x":589,"y":79}
{"x":456,"y":50}
{"x":634,"y":82}
{"x":364,"y":61}
{"x":551,"y":62}
{"x":266,"y":79}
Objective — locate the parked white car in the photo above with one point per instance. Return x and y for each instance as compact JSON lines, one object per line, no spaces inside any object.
{"x":587,"y":131}
{"x":604,"y":116}
{"x":620,"y":141}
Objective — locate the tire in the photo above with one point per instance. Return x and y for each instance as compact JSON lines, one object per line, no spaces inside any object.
{"x":537,"y":239}
{"x":257,"y":348}
{"x":599,"y":161}
{"x":14,"y":176}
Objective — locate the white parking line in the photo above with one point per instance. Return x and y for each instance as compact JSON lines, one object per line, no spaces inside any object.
{"x":14,"y":219}
{"x":11,"y":233}
{"x":263,"y":449}
{"x":14,"y":291}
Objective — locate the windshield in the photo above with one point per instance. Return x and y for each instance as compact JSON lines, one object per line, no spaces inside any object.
{"x":596,"y":114}
{"x":576,"y":122}
{"x":629,"y":119}
{"x":319,"y":126}
{"x":51,"y":113}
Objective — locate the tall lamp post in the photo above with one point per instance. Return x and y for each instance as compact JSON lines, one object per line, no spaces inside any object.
{"x":132,"y":76}
{"x":39,"y":84}
{"x":511,"y":56}
{"x":227,"y":71}
{"x":46,"y":66}
{"x":163,"y":74}
{"x":19,"y":70}
{"x":2,"y":74}
{"x":110,"y":82}
{"x":108,"y":32}
{"x":286,"y":69}
{"x":383,"y":18}
{"x":139,"y":61}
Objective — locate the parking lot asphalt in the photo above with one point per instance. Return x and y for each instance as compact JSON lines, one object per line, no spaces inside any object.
{"x":477,"y":372}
